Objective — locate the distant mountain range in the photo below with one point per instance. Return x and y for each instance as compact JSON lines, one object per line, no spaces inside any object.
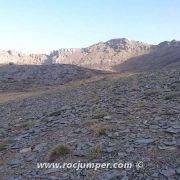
{"x":115,"y":55}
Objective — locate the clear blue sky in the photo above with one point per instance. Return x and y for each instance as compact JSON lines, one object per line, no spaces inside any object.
{"x":43,"y":25}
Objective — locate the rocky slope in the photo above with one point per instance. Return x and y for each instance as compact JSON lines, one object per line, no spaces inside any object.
{"x":7,"y":57}
{"x":65,"y":113}
{"x":104,"y":55}
{"x":164,"y":55}
{"x":116,"y":54}
{"x":23,"y":77}
{"x":116,"y":118}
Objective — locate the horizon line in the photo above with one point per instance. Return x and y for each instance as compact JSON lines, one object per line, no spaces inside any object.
{"x":50,"y":50}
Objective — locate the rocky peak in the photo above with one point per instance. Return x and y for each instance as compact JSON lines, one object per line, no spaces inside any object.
{"x":172,"y":43}
{"x":63,"y":51}
{"x":118,"y":41}
{"x":124,"y":44}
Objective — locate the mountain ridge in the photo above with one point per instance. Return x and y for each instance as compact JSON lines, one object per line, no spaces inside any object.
{"x":102,"y":55}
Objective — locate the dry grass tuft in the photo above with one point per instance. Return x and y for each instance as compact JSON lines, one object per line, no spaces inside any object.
{"x":95,"y":152}
{"x":99,"y":129}
{"x":151,"y":92}
{"x":3,"y":144}
{"x":56,"y":152}
{"x":172,"y":95}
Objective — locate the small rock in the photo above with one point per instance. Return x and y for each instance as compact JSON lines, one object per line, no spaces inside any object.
{"x":168,"y":172}
{"x":30,"y":158}
{"x":124,"y":178}
{"x":2,"y":133}
{"x":110,"y":144}
{"x":25,"y":150}
{"x":107,"y":117}
{"x":79,"y":153}
{"x":14,"y":178}
{"x":175,"y":85}
{"x":176,"y":126}
{"x":65,"y":108}
{"x":109,"y":149}
{"x":52,"y":178}
{"x":81,"y":172}
{"x":155,"y":175}
{"x":15,"y":146}
{"x":124,"y":174}
{"x":44,"y":177}
{"x":80,"y":130}
{"x":50,"y":119}
{"x":144,"y":141}
{"x":22,"y":136}
{"x":82,"y":146}
{"x":169,"y":143}
{"x":178,"y":170}
{"x":178,"y":142}
{"x":153,"y":127}
{"x":125,"y":131}
{"x":113,"y":135}
{"x":120,"y":154}
{"x":157,"y":118}
{"x":172,"y":130}
{"x":15,"y":162}
{"x":164,"y":147}
{"x":40,"y":147}
{"x":130,"y":149}
{"x":110,"y":175}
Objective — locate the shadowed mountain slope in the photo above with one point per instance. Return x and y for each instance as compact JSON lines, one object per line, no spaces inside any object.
{"x":165,"y":55}
{"x":22,"y":77}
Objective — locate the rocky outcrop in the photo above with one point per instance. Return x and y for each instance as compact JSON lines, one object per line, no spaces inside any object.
{"x":22,"y":77}
{"x":7,"y":57}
